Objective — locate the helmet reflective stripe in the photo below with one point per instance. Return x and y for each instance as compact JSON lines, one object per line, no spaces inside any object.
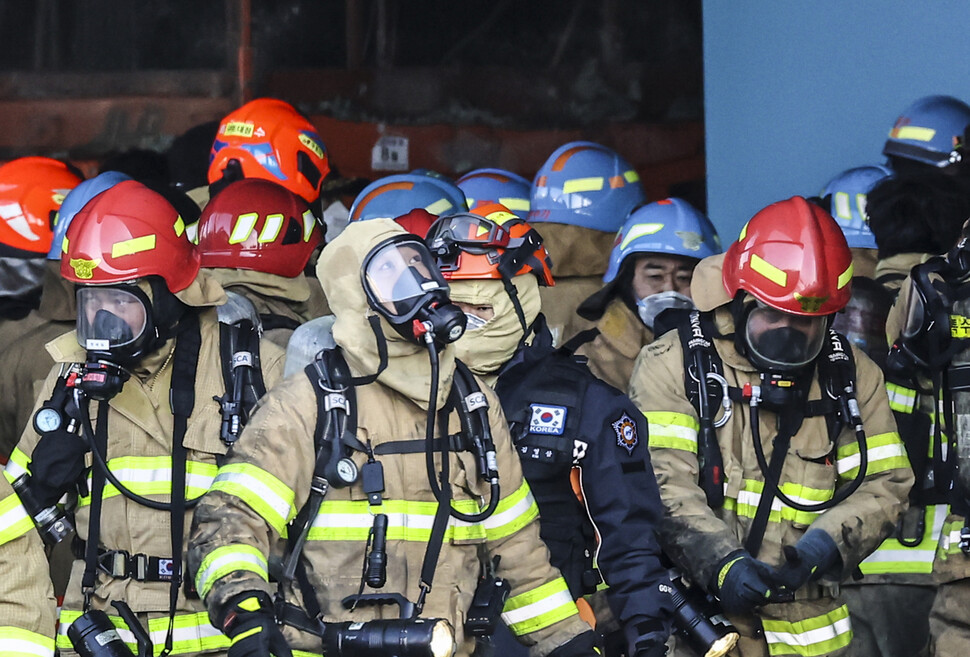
{"x":440,"y":206}
{"x":913,"y":132}
{"x":271,"y":228}
{"x":309,"y":221}
{"x":639,"y":231}
{"x":133,"y":246}
{"x":768,"y":270}
{"x":243,"y":228}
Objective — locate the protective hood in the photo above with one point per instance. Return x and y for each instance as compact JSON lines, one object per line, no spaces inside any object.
{"x":270,"y":293}
{"x":574,"y":250}
{"x":339,"y":271}
{"x":485,"y":350}
{"x":203,"y":291}
{"x":707,"y":285}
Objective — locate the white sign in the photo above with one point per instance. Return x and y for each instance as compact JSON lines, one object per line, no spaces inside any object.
{"x":390,"y":154}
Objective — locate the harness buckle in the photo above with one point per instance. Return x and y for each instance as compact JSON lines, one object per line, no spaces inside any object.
{"x":115,"y":563}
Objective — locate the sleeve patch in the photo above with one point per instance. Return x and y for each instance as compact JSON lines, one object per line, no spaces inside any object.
{"x":626,"y":432}
{"x":547,"y":420}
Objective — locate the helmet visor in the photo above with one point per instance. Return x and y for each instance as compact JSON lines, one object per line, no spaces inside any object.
{"x":783,"y":341}
{"x":398,"y":274}
{"x":110,"y":317}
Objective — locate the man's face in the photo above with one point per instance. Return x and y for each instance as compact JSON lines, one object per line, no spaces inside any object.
{"x":654,"y":273}
{"x":122,"y":304}
{"x":484,"y":311}
{"x":783,"y":340}
{"x":391,"y":274}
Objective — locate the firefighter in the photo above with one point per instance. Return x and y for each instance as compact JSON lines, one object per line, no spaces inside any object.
{"x":650,"y":270}
{"x":384,"y":482}
{"x":256,"y":239}
{"x":581,"y":196}
{"x":127,"y":421}
{"x":560,"y":417}
{"x":784,"y":470}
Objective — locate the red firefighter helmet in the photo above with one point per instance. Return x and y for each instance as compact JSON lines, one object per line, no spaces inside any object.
{"x":125,"y":233}
{"x":258,"y":225}
{"x":271,"y":140}
{"x":31,"y":191}
{"x":791,"y":256}
{"x":488,"y":242}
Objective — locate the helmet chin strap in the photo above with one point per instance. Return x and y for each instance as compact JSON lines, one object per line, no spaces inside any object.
{"x":514,"y":296}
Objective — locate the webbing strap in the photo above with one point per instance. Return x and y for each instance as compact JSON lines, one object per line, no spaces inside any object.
{"x":90,"y":577}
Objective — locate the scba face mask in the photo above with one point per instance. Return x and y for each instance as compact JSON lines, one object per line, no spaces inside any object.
{"x":780,"y":341}
{"x":114,"y":323}
{"x":403,"y":285}
{"x":650,"y":307}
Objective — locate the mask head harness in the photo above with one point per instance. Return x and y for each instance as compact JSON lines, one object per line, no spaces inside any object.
{"x":404,"y":286}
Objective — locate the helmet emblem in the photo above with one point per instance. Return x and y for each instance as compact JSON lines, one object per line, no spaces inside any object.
{"x":810,"y":304}
{"x":84,"y":269}
{"x":692,"y":241}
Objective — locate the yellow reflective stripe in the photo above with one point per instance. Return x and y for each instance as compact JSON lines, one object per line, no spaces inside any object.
{"x":345,"y":520}
{"x":768,"y":270}
{"x":844,"y":277}
{"x":512,"y":203}
{"x":950,"y":539}
{"x":243,"y":228}
{"x":245,"y":635}
{"x":640,"y":230}
{"x":894,"y":557}
{"x":914,"y":132}
{"x":226,"y":559}
{"x":179,"y":226}
{"x":16,"y":642}
{"x":885,"y":452}
{"x":133,"y":246}
{"x":672,"y":430}
{"x":959,"y":326}
{"x":811,"y":637}
{"x":631,"y":176}
{"x":749,"y":497}
{"x":271,"y":228}
{"x":440,"y":206}
{"x":541,"y":607}
{"x":191,"y":635}
{"x":14,"y":521}
{"x":843,"y":208}
{"x":17,"y":466}
{"x":308,"y":222}
{"x":264,"y":493}
{"x":582,"y":185}
{"x":152,"y":475}
{"x":901,"y":398}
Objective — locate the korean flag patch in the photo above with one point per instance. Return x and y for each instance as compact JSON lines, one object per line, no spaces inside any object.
{"x":547,"y":420}
{"x":626,"y":432}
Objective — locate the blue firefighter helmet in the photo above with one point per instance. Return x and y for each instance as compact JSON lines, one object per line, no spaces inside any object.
{"x":585,"y":184}
{"x":930,"y":131}
{"x":668,"y":227}
{"x":76,"y":199}
{"x":483,"y":186}
{"x":846,"y":195}
{"x":398,"y":194}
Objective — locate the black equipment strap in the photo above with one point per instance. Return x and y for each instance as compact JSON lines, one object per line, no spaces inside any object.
{"x":271,"y":321}
{"x":90,"y":577}
{"x":185,"y":364}
{"x":441,"y":515}
{"x":580,"y":339}
{"x":457,"y":442}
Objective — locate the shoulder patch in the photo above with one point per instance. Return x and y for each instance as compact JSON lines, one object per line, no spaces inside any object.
{"x":626,"y":432}
{"x":547,"y":420}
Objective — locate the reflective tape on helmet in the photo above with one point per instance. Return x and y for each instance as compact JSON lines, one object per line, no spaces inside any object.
{"x":539,"y":608}
{"x":262,"y":492}
{"x":913,"y":132}
{"x":16,"y":642}
{"x":901,"y":398}
{"x":179,"y":226}
{"x":672,"y":430}
{"x":133,"y":246}
{"x":749,"y":497}
{"x":512,"y":203}
{"x":152,"y":475}
{"x":309,"y":221}
{"x":343,"y":520}
{"x":192,"y":633}
{"x":640,"y":230}
{"x":228,"y":559}
{"x":885,"y":451}
{"x":811,"y":637}
{"x":845,"y":277}
{"x":14,"y":521}
{"x":578,"y":185}
{"x":761,"y":266}
{"x":440,"y":206}
{"x":243,"y":227}
{"x":271,"y":229}
{"x":892,"y":557}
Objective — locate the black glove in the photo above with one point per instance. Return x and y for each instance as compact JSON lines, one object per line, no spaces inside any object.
{"x":742,"y":583}
{"x":645,"y":637}
{"x":586,"y":644}
{"x":810,"y":558}
{"x":249,"y":622}
{"x":57,"y":464}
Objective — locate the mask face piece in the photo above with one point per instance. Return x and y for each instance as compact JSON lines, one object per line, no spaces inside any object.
{"x":404,"y":286}
{"x":651,"y":306}
{"x":780,"y":341}
{"x":114,"y":323}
